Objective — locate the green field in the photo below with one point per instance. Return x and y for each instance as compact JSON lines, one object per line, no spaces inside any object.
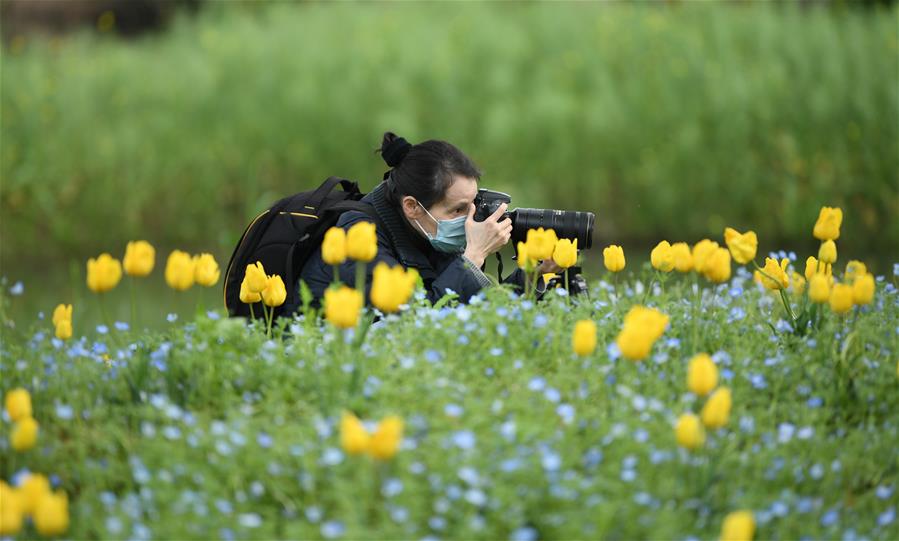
{"x":666,"y":121}
{"x":208,"y":429}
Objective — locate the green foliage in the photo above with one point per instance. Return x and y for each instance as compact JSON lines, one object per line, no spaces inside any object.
{"x":667,"y":121}
{"x":208,"y":429}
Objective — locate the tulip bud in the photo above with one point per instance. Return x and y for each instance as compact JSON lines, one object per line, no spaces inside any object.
{"x":353,"y":437}
{"x":206,"y":270}
{"x":716,"y":411}
{"x":51,"y":517}
{"x":11,"y":515}
{"x":334,"y":246}
{"x":689,"y":432}
{"x":819,"y":289}
{"x":774,"y":276}
{"x":342,"y":306}
{"x":64,"y":329}
{"x":828,"y":225}
{"x":18,"y":404}
{"x":742,"y":246}
{"x":716,"y":266}
{"x":179,"y":270}
{"x":863,"y":289}
{"x":701,"y":251}
{"x":811,"y":267}
{"x":702,"y":374}
{"x":541,"y":243}
{"x":247,"y":296}
{"x":362,"y":241}
{"x":31,"y":490}
{"x":661,"y":257}
{"x":854,"y":269}
{"x":62,"y":312}
{"x":274,"y":293}
{"x":583,"y":339}
{"x":255,"y":277}
{"x":103,"y":273}
{"x":613,"y":258}
{"x":738,"y":526}
{"x":385,"y":442}
{"x":392,"y":287}
{"x":683,"y":257}
{"x":24,"y":434}
{"x":523,"y":257}
{"x":139,"y":258}
{"x":841,"y":298}
{"x":565,"y":253}
{"x":828,"y":252}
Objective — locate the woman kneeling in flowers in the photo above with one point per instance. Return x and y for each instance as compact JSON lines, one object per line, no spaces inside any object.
{"x":426,"y":206}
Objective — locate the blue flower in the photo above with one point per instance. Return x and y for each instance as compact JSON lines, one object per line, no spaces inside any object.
{"x":264,"y":440}
{"x":884,"y":491}
{"x":433,"y":356}
{"x":463,"y":439}
{"x":17,"y":289}
{"x":64,"y":412}
{"x":887,"y":517}
{"x":537,"y":384}
{"x":249,"y":520}
{"x":830,"y":518}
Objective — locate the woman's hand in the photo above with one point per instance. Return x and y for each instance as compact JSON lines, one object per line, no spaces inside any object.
{"x":487,"y":237}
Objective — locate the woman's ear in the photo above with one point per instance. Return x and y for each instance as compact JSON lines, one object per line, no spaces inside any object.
{"x":411,"y":208}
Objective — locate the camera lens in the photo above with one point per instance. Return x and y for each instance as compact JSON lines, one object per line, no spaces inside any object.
{"x":568,"y":224}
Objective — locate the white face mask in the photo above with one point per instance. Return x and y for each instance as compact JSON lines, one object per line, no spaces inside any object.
{"x":450,"y":236}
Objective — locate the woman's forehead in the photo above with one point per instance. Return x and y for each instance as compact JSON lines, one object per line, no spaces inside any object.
{"x":462,"y":190}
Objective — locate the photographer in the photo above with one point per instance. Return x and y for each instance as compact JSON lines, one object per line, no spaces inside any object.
{"x":426,"y":206}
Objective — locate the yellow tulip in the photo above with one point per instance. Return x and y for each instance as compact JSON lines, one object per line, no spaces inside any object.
{"x":342,"y":306}
{"x":11,"y":515}
{"x":103,"y":273}
{"x":61,"y":312}
{"x":565,"y":253}
{"x":24,"y":434}
{"x":828,"y":225}
{"x":32,"y":489}
{"x":524,"y":259}
{"x":392,"y":287}
{"x":819,"y":289}
{"x":362,"y":241}
{"x":716,"y":411}
{"x":841,"y":298}
{"x":742,"y":246}
{"x":811,"y":267}
{"x":18,"y":404}
{"x":385,"y":442}
{"x":541,"y":243}
{"x":613,"y":258}
{"x":738,"y":526}
{"x":140,"y":257}
{"x":863,"y":289}
{"x":683,"y":257}
{"x":274,"y":293}
{"x":583,"y":339}
{"x":179,"y":270}
{"x":51,"y":517}
{"x":701,"y":251}
{"x":702,"y":374}
{"x":716,"y":266}
{"x":774,"y":276}
{"x":661,"y":257}
{"x":828,"y":252}
{"x":353,"y":437}
{"x":689,"y":432}
{"x":255,"y":277}
{"x":64,"y":329}
{"x":642,"y":327}
{"x":247,"y":296}
{"x":854,"y":269}
{"x":334,"y":246}
{"x":206,"y":270}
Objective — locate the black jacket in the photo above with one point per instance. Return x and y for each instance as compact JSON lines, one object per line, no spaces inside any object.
{"x":400,"y":244}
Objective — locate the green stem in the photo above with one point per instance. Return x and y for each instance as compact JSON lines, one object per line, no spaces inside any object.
{"x":270,"y":316}
{"x":360,"y":277}
{"x":133,"y":304}
{"x":252,"y":313}
{"x":336,"y":274}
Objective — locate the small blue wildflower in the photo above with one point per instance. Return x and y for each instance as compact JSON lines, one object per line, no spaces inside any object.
{"x":313,"y":513}
{"x":249,"y":520}
{"x":17,"y":289}
{"x":884,"y":491}
{"x":264,"y":440}
{"x":830,"y":518}
{"x":887,"y":517}
{"x":464,"y":439}
{"x":121,"y":326}
{"x":537,"y":384}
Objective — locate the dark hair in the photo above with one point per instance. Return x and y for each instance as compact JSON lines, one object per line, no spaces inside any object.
{"x":425,"y":171}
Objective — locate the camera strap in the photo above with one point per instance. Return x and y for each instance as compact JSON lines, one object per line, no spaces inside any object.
{"x":499,"y":267}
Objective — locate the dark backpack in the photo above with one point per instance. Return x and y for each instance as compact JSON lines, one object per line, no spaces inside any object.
{"x":285,"y":236}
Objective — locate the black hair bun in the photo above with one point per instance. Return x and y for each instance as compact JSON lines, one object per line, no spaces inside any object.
{"x":394,"y":150}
